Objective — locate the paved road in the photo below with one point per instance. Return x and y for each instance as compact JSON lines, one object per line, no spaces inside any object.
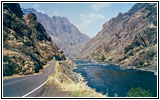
{"x":23,"y":86}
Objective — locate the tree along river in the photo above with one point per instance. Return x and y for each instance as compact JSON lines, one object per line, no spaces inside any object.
{"x":109,"y":77}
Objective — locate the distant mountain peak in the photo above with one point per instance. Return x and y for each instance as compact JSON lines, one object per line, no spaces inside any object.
{"x":63,"y":33}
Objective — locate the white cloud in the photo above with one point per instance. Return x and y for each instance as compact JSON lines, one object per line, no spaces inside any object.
{"x":35,"y":6}
{"x":87,"y":19}
{"x":92,"y":16}
{"x":55,"y":13}
{"x":41,"y":11}
{"x":98,"y":6}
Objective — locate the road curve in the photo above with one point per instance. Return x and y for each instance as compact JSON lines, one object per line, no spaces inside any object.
{"x":26,"y":85}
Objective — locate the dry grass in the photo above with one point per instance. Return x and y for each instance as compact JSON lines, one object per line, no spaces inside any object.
{"x":5,"y":52}
{"x":15,"y":75}
{"x":9,"y":77}
{"x":79,"y":89}
{"x":45,"y":66}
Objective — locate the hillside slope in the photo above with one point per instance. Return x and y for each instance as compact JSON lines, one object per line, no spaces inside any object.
{"x":128,"y":39}
{"x":63,"y":33}
{"x":26,"y":45}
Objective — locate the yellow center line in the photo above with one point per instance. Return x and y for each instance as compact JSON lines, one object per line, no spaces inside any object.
{"x":15,"y":81}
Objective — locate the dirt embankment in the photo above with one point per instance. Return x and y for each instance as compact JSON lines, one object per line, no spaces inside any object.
{"x":66,"y":83}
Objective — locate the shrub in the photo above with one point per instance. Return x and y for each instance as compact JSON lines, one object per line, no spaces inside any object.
{"x":15,"y":71}
{"x":5,"y":37}
{"x":23,"y":71}
{"x":28,"y":43}
{"x":131,"y":54}
{"x":50,"y":58}
{"x":155,"y":22}
{"x":115,"y":95}
{"x":103,"y":58}
{"x":139,"y":92}
{"x":5,"y":58}
{"x":110,"y":59}
{"x":7,"y":69}
{"x":57,"y":58}
{"x":154,"y":42}
{"x":141,"y":63}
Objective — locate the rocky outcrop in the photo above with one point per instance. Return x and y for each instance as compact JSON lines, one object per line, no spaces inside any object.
{"x":26,"y":45}
{"x":128,"y":39}
{"x":63,"y":33}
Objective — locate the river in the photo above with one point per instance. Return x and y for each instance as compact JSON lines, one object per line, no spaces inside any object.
{"x":109,"y":77}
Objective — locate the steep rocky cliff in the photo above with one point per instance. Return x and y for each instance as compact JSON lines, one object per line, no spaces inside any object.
{"x":128,"y":39}
{"x":26,"y":45}
{"x":64,"y":34}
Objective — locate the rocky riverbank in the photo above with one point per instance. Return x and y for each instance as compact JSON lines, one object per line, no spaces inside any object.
{"x":142,"y":69}
{"x":124,"y":67}
{"x":68,"y":82}
{"x":128,"y":39}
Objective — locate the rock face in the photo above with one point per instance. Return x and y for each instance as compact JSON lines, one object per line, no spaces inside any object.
{"x":64,"y":34}
{"x":26,"y":45}
{"x":128,"y":39}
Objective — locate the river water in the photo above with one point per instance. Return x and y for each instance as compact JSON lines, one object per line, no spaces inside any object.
{"x":108,"y":77}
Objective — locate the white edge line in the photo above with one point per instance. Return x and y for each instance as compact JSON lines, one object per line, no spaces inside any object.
{"x":34,"y":89}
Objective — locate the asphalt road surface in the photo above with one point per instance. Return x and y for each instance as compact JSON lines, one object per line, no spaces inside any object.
{"x":27,"y":86}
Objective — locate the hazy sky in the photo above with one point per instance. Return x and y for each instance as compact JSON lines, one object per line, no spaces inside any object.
{"x":87,"y":17}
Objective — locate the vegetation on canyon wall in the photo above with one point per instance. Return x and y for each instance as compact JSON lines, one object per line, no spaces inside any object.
{"x":26,"y":45}
{"x":128,"y":39}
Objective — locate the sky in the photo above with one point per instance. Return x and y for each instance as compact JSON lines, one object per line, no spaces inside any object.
{"x":87,"y":17}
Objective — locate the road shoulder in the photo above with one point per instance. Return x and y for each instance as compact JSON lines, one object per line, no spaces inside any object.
{"x":66,"y":83}
{"x":52,"y":90}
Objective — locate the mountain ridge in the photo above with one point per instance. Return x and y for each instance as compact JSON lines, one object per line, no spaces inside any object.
{"x":63,"y":33}
{"x":26,"y":45}
{"x":128,"y":39}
